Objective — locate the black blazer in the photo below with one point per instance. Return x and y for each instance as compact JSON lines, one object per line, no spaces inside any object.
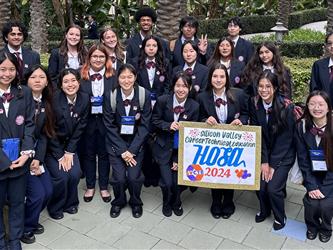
{"x":320,"y":77}
{"x":68,"y":129}
{"x":162,"y":118}
{"x":312,"y":179}
{"x":96,"y":120}
{"x":18,"y":124}
{"x":199,"y":76}
{"x":237,"y":109}
{"x":276,"y":149}
{"x":30,"y":58}
{"x":161,"y":84}
{"x":116,"y":144}
{"x":244,"y":50}
{"x":177,"y":57}
{"x":56,"y":64}
{"x":40,"y":136}
{"x":236,"y":70}
{"x":134,"y":46}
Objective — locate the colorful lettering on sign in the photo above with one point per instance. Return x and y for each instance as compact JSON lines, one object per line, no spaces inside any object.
{"x":222,"y":157}
{"x":194,"y":172}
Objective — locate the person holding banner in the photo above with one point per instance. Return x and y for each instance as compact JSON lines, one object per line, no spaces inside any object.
{"x":168,"y":112}
{"x":222,"y":104}
{"x":16,"y":146}
{"x":314,"y":143}
{"x":277,"y":120}
{"x":127,"y":114}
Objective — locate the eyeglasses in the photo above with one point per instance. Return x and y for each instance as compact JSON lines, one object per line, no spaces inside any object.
{"x":101,"y":58}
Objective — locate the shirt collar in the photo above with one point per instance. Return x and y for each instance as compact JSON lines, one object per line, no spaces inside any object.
{"x":186,"y":66}
{"x":271,"y":68}
{"x":183,"y":39}
{"x":176,"y":103}
{"x":235,"y":40}
{"x":223,"y":96}
{"x":11,"y":50}
{"x":147,"y":60}
{"x":4,"y":91}
{"x":130,"y":97}
{"x":101,"y":72}
{"x":38,"y":99}
{"x":330,"y":63}
{"x":71,"y":102}
{"x":266,"y":106}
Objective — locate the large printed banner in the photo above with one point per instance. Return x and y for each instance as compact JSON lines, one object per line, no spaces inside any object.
{"x":221,"y":156}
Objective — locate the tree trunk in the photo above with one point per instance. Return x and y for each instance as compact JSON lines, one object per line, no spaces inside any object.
{"x":183,"y":8}
{"x":57,"y":6}
{"x":38,"y":26}
{"x":69,"y":11}
{"x":284,"y":10}
{"x":168,"y":17}
{"x":4,"y":16}
{"x":329,"y":17}
{"x":214,"y":9}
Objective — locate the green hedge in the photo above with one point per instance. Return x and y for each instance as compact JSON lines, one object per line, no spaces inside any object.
{"x":301,"y":74}
{"x":216,"y":28}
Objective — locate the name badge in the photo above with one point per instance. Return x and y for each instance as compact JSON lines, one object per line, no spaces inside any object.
{"x":153,"y":98}
{"x":96,"y":104}
{"x":11,"y":147}
{"x":175,"y":140}
{"x":318,"y":160}
{"x":127,"y":125}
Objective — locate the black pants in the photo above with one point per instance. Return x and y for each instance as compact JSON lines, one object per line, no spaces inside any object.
{"x":318,"y":214}
{"x":13,"y":190}
{"x":150,"y":168}
{"x":170,"y":189}
{"x":124,"y":177}
{"x":94,"y":145}
{"x":227,"y":206}
{"x":271,"y":195}
{"x":65,"y":194}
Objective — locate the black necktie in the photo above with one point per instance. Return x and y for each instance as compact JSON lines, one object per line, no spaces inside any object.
{"x":189,"y":71}
{"x":127,"y":102}
{"x":20,"y":63}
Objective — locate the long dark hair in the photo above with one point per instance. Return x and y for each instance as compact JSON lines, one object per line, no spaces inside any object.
{"x":216,"y":57}
{"x":279,"y":110}
{"x":47,"y":96}
{"x":255,"y":67}
{"x":212,"y":68}
{"x":65,"y":72}
{"x":81,"y":49}
{"x":328,"y":133}
{"x":159,"y":57}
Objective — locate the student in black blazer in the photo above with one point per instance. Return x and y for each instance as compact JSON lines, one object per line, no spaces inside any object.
{"x":192,"y":67}
{"x":224,"y":53}
{"x":98,"y":78}
{"x":314,"y":134}
{"x":17,"y":145}
{"x":266,"y":56}
{"x":322,"y":71}
{"x":114,"y":47}
{"x":14,"y":34}
{"x":243,"y":48}
{"x":127,"y":120}
{"x":167,"y":113}
{"x":71,"y":54}
{"x":272,"y":112}
{"x":71,"y":109}
{"x":188,"y":27}
{"x":39,"y":183}
{"x":145,"y":17}
{"x":154,"y":75}
{"x":222,"y":104}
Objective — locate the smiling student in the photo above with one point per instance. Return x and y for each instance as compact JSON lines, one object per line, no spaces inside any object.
{"x":314,"y":143}
{"x":17,"y":145}
{"x":71,"y":53}
{"x":221,"y":104}
{"x":275,"y":115}
{"x":168,"y":112}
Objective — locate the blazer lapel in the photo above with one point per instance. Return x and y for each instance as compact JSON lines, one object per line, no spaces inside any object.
{"x":66,"y":111}
{"x":4,"y":120}
{"x":211,"y":105}
{"x":120,"y":104}
{"x":169,"y":109}
{"x":185,"y":115}
{"x":310,"y":140}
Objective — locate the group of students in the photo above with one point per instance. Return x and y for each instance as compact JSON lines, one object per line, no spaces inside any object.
{"x":123,"y":108}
